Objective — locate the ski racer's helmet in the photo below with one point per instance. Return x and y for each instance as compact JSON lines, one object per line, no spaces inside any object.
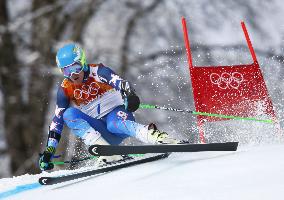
{"x":71,"y":55}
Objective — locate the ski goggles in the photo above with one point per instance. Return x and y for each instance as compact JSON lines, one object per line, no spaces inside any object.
{"x":69,"y":70}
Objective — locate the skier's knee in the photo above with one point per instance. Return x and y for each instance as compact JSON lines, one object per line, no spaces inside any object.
{"x":116,"y":127}
{"x":111,"y":127}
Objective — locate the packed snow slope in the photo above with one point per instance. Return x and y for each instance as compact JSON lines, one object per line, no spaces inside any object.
{"x":250,"y":173}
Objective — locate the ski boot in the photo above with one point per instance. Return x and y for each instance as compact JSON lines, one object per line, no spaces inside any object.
{"x":92,"y":137}
{"x":157,"y":137}
{"x":103,"y":161}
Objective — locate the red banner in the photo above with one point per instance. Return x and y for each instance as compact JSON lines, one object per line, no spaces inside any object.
{"x":230,"y":90}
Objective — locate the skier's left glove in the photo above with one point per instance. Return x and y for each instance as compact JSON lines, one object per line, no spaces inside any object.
{"x":45,"y":158}
{"x":131,"y":100}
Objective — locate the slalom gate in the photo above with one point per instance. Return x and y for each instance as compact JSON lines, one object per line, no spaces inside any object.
{"x":229,"y":90}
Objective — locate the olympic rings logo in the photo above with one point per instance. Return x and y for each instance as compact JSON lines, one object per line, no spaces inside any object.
{"x":86,"y":91}
{"x":227,"y":80}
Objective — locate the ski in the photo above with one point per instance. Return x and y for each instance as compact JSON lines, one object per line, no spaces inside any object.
{"x":60,"y":179}
{"x":108,"y":150}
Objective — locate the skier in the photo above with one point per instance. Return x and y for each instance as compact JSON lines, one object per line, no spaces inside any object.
{"x":97,"y":105}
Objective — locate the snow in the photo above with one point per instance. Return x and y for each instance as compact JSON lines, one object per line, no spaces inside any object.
{"x":249,"y":173}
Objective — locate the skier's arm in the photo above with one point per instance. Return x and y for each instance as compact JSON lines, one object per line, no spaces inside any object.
{"x":56,"y":126}
{"x":131,"y":100}
{"x":55,"y":130}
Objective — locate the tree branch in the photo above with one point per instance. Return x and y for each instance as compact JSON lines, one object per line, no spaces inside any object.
{"x":129,"y":30}
{"x":15,"y":25}
{"x":83,"y":16}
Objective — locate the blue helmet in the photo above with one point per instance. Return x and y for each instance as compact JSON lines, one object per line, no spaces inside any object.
{"x":70,"y":54}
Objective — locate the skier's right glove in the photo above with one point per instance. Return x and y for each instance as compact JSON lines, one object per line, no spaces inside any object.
{"x":45,"y":158}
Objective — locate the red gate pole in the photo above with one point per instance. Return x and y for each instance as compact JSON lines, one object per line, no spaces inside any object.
{"x":273,"y":114}
{"x":249,"y":42}
{"x":189,"y":59}
{"x":187,"y":44}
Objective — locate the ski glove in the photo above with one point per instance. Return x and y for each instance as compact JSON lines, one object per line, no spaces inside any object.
{"x":45,"y":158}
{"x":131,"y":100}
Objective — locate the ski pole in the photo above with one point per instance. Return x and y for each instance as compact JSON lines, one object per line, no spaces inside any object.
{"x":83,"y":159}
{"x":73,"y":160}
{"x":148,"y":106}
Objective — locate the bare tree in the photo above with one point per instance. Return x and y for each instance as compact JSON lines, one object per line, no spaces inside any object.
{"x":14,"y":108}
{"x":25,"y":118}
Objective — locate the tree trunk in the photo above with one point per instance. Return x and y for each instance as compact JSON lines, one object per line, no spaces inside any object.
{"x":14,"y":109}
